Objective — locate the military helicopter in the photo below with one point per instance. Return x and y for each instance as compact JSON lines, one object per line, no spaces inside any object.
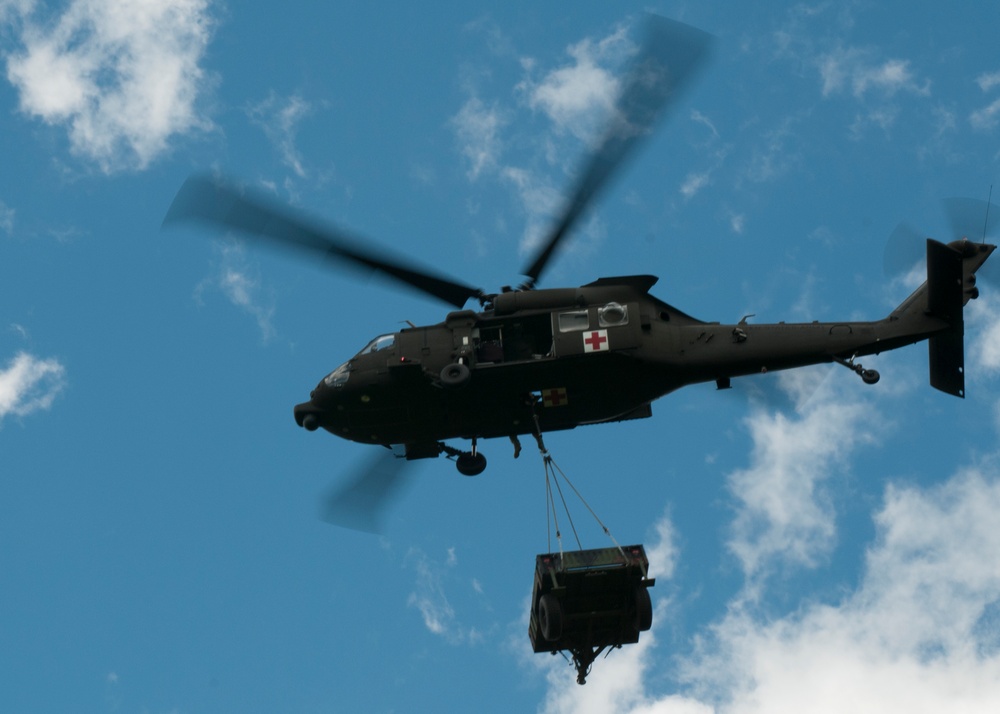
{"x":529,"y":360}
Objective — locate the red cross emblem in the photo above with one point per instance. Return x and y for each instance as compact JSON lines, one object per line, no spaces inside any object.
{"x":596,"y":341}
{"x":555,"y":397}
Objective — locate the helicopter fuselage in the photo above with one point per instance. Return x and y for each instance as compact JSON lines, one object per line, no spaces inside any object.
{"x":547,"y":360}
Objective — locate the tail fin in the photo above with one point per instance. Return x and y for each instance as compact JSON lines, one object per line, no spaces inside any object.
{"x":951,"y":283}
{"x":946,"y":295}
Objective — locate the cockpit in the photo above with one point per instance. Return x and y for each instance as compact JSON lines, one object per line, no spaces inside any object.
{"x":382,"y":342}
{"x":339,"y":376}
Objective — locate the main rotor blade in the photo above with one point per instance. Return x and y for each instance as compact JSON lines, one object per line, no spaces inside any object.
{"x":669,"y":57}
{"x":217,"y":202}
{"x":360,"y":503}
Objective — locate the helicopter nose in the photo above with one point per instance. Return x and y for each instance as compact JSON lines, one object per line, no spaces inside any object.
{"x":313,"y":414}
{"x":308,"y":415}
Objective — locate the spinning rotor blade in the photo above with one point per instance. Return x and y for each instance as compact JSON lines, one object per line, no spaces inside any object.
{"x":214,"y":201}
{"x":971,"y":218}
{"x":670,"y":55}
{"x":361,"y":502}
{"x":905,"y":248}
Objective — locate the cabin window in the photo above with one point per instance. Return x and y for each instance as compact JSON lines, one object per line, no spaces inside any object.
{"x":612,"y":315}
{"x":575,"y":321}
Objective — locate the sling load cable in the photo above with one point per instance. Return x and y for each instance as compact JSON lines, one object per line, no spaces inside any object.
{"x":550,"y":475}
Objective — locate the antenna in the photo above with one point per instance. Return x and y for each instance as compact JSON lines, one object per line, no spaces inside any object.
{"x":986,"y":222}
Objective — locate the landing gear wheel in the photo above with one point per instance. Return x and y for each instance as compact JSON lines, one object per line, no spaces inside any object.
{"x":310,"y":422}
{"x":455,"y":375}
{"x":550,"y":617}
{"x":869,"y":376}
{"x":643,"y":610}
{"x":469,"y":464}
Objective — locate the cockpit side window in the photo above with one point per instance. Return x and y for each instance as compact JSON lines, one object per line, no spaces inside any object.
{"x":383,"y":342}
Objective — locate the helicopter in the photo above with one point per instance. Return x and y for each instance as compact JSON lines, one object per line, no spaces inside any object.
{"x":532,"y":360}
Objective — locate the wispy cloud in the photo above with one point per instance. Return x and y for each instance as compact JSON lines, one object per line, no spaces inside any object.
{"x":987,"y":117}
{"x":856,"y":70}
{"x":576,"y":98}
{"x":122,"y":77}
{"x":279,"y":117}
{"x":431,"y":600}
{"x":477,"y":127}
{"x":29,"y":384}
{"x":988,"y":80}
{"x":236,"y":279}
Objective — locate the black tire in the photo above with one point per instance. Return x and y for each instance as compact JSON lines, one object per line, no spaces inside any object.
{"x":643,"y":610}
{"x":470,"y":464}
{"x":455,"y":375}
{"x":869,"y":376}
{"x":310,"y":422}
{"x":550,"y":617}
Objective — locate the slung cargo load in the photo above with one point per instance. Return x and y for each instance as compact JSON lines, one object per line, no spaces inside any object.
{"x":587,"y":601}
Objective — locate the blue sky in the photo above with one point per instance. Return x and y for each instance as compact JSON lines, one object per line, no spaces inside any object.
{"x":819,"y":545}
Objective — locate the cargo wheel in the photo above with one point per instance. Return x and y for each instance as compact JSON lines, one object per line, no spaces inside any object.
{"x":550,"y":617}
{"x":643,"y":610}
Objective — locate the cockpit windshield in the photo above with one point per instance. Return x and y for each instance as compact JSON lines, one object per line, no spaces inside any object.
{"x":382,"y":342}
{"x":339,"y":376}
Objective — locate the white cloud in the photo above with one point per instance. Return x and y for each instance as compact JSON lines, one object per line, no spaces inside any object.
{"x":121,"y":75}
{"x":29,"y":384}
{"x":737,"y":222}
{"x":784,"y":517}
{"x":430,"y":599}
{"x":693,"y":183}
{"x":856,"y":70}
{"x":477,"y":127}
{"x":580,"y":97}
{"x":279,"y":118}
{"x":234,"y":277}
{"x":988,"y":80}
{"x":918,"y":635}
{"x":987,"y":117}
{"x":539,"y":200}
{"x":984,"y":347}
